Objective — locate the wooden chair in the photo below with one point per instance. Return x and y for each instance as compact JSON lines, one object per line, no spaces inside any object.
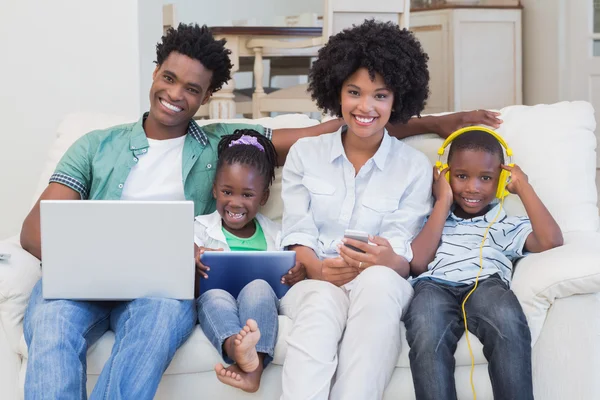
{"x":338,"y":15}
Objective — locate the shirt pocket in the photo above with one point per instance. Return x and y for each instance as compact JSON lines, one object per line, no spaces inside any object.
{"x":374,"y":209}
{"x":322,"y":199}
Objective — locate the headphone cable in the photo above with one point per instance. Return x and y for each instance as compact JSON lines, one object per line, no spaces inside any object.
{"x":471,"y":292}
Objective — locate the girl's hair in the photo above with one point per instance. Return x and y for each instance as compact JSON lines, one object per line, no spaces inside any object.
{"x":382,"y":48}
{"x":246,"y":150}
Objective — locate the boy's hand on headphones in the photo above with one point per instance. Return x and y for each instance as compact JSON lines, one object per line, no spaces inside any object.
{"x":518,"y":179}
{"x":442,"y":191}
{"x":294,"y":275}
{"x":449,"y":123}
{"x":202,"y":269}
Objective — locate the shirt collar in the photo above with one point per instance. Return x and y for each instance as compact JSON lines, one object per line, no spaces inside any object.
{"x":380,"y":156}
{"x":487,"y":217}
{"x":140,"y":141}
{"x":213,"y":224}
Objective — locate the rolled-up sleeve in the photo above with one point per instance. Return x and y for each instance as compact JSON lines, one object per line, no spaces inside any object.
{"x":298,"y":226}
{"x":74,"y":169}
{"x":401,"y":226}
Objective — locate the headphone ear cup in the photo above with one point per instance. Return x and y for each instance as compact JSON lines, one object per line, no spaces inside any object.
{"x":501,"y":192}
{"x":447,"y":174}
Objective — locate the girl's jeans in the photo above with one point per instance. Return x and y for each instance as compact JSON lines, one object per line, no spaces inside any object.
{"x":221,"y":316}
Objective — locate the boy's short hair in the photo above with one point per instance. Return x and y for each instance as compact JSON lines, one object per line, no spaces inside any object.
{"x":198,"y":43}
{"x":383,"y":48}
{"x":476,"y":140}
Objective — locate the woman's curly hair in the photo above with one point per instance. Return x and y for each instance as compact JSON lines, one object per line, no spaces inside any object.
{"x":198,"y":43}
{"x":380,"y":47}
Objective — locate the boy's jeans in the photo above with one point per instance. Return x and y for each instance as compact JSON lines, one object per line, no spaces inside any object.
{"x":221,"y":316}
{"x":434,"y":324}
{"x":148,"y":331}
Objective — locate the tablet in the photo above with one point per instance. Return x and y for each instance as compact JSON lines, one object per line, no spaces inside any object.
{"x":232,"y":270}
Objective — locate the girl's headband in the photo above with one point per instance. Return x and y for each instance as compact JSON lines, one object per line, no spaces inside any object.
{"x":249,"y":140}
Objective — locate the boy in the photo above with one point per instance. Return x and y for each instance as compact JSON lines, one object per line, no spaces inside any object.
{"x":447,"y":262}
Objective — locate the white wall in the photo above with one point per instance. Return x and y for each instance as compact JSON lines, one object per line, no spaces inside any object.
{"x":544,"y":47}
{"x":58,"y":57}
{"x":222,"y":12}
{"x":65,"y":56}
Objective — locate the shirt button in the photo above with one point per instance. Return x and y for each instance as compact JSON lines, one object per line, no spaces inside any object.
{"x":144,"y":150}
{"x":209,"y":166}
{"x":120,"y":186}
{"x":135,"y":159}
{"x":132,"y":147}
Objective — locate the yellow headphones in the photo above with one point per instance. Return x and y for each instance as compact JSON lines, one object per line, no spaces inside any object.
{"x":501,"y":192}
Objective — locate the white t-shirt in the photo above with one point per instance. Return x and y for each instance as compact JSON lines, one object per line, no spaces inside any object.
{"x":158,"y":174}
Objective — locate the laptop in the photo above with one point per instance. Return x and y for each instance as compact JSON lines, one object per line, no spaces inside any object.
{"x":117,"y":250}
{"x":232,"y":270}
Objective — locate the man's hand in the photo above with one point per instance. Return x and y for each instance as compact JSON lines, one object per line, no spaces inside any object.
{"x":442,"y":191}
{"x":518,"y":179}
{"x":446,"y":124}
{"x":294,"y":275}
{"x":380,"y":254}
{"x":337,"y":271}
{"x":202,"y":269}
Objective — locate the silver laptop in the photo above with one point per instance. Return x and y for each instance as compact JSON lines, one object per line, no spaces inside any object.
{"x":117,"y":250}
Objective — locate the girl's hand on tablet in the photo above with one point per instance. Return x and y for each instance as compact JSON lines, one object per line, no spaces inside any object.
{"x":202,"y":269}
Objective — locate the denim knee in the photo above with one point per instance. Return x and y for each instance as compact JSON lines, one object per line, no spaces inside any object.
{"x":54,"y":319}
{"x":215,"y":295}
{"x":509,"y":319}
{"x":258,"y":289}
{"x":172,"y":319}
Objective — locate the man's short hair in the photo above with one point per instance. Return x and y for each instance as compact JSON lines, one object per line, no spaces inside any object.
{"x":198,"y":43}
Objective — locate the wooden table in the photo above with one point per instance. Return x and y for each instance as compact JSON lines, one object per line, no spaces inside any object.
{"x":222,"y":104}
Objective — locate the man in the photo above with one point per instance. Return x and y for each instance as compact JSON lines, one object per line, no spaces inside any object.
{"x":146,"y":160}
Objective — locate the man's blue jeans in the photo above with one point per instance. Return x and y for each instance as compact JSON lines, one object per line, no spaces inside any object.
{"x":148,"y":331}
{"x":221,"y":316}
{"x":434,"y":324}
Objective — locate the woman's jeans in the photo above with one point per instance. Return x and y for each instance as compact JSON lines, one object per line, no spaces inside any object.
{"x":434,"y":324}
{"x":220,"y":316}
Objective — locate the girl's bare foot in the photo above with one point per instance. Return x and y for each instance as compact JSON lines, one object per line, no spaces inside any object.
{"x":244,"y":347}
{"x":234,"y":376}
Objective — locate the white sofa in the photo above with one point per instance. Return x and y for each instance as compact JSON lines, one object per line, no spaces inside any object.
{"x":559,"y":289}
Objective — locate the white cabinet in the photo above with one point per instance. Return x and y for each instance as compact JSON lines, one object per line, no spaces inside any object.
{"x":474,"y":56}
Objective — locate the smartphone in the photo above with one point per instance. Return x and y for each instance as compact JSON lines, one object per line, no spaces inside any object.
{"x":356,"y":235}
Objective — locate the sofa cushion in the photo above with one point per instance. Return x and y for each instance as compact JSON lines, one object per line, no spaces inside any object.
{"x":555,"y":145}
{"x":198,"y":355}
{"x":541,"y":279}
{"x":560,"y":135}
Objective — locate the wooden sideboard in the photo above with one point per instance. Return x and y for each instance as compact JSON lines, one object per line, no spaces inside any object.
{"x":475,"y":56}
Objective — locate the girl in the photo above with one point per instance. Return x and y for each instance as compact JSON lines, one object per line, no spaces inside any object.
{"x":245,"y":170}
{"x":357,"y":178}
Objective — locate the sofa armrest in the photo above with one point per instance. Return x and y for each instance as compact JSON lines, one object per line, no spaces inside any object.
{"x":18,"y":275}
{"x":571,"y":269}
